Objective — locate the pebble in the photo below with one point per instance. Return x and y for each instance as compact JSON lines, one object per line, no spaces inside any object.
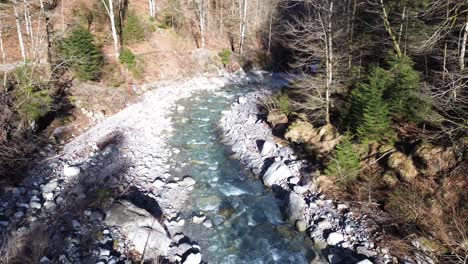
{"x":19,"y":214}
{"x":35,"y":205}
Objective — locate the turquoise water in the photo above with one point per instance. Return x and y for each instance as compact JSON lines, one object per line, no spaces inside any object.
{"x":248,"y":226}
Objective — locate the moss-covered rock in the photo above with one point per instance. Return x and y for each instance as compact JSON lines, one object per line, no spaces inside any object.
{"x":435,"y":159}
{"x":301,"y":132}
{"x":403,"y":166}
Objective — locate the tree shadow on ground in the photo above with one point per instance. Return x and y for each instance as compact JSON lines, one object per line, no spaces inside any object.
{"x":81,"y":202}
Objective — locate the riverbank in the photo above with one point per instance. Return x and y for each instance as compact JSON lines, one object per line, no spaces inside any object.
{"x":344,"y":235}
{"x":108,"y":195}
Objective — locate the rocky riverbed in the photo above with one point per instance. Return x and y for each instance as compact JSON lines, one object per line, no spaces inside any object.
{"x":108,"y":195}
{"x":344,"y":235}
{"x":137,"y":186}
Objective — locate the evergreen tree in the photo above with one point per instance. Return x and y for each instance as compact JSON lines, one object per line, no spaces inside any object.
{"x":378,"y":80}
{"x":134,"y":29}
{"x":403,"y":94}
{"x":345,"y":162}
{"x":79,"y":52}
{"x":375,"y":119}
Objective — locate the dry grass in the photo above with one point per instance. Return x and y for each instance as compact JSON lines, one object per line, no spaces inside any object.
{"x":27,"y":248}
{"x":437,"y":212}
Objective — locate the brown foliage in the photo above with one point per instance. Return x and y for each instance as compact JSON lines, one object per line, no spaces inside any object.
{"x":26,"y":248}
{"x":15,"y":137}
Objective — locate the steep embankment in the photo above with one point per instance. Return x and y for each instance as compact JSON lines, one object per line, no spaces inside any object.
{"x":345,"y":235}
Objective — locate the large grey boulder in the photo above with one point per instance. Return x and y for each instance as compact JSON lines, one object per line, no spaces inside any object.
{"x":277,"y":172}
{"x":141,"y":228}
{"x":267,"y":148}
{"x":193,"y":258}
{"x":296,"y":207}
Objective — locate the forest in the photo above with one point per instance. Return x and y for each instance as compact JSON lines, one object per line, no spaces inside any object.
{"x":377,"y":97}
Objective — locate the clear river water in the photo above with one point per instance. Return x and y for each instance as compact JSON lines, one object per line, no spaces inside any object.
{"x":248,"y":225}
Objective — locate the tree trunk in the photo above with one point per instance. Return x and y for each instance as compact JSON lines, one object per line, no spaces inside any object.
{"x":242,"y":28}
{"x":63,"y":17}
{"x":351,"y":35}
{"x":269,"y":31}
{"x":201,"y":20}
{"x":329,"y":66}
{"x":2,"y":49}
{"x":110,"y":12}
{"x":463,"y":45}
{"x":389,"y":29}
{"x":18,"y":29}
{"x":27,"y":21}
{"x":152,"y":7}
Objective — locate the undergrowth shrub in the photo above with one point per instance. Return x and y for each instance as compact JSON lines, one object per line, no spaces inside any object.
{"x":79,"y":52}
{"x":279,"y":102}
{"x":127,"y":58}
{"x":32,"y":94}
{"x":133,"y":30}
{"x":134,"y":64}
{"x":225,"y":55}
{"x":344,"y":165}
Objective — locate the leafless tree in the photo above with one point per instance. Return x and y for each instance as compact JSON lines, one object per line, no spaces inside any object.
{"x":109,"y":6}
{"x":312,"y":34}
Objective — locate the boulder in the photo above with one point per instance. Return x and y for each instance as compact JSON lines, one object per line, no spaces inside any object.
{"x":277,"y":172}
{"x":140,"y":227}
{"x":403,"y":166}
{"x":435,"y":159}
{"x":302,"y":132}
{"x":50,"y":187}
{"x":296,"y":207}
{"x":71,"y":171}
{"x":335,"y":238}
{"x":390,"y":178}
{"x":198,"y":219}
{"x":193,"y":258}
{"x":301,"y":226}
{"x":366,"y":261}
{"x":277,"y":118}
{"x":188,"y":181}
{"x":267,"y":148}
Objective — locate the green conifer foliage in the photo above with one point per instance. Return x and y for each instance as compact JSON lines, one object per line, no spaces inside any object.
{"x":403,"y":94}
{"x":134,"y":29}
{"x":368,"y":114}
{"x":345,"y":162}
{"x":79,"y":52}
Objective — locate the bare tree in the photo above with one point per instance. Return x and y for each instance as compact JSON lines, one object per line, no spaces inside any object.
{"x":18,"y":29}
{"x":152,"y":8}
{"x":201,"y":9}
{"x":2,"y":48}
{"x":388,"y":28}
{"x":109,"y":6}
{"x":243,"y":18}
{"x":463,"y":44}
{"x":312,"y":34}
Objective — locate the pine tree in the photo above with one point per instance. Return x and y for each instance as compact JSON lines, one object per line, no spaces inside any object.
{"x":79,"y":52}
{"x":345,"y":162}
{"x":134,"y":30}
{"x":403,"y":94}
{"x":367,"y":113}
{"x":375,"y":120}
